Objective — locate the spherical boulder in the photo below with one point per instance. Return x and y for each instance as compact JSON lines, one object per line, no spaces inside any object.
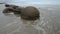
{"x":30,"y":13}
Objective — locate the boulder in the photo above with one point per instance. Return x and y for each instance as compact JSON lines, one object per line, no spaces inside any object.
{"x":30,"y":13}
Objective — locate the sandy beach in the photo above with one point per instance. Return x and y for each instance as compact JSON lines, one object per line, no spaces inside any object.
{"x":49,"y":22}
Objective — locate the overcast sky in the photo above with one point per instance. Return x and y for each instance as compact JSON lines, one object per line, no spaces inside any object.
{"x":33,"y":1}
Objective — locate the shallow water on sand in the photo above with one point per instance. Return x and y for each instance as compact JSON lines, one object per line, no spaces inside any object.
{"x":49,"y":22}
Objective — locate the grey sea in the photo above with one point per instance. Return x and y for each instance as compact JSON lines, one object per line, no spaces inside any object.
{"x":48,"y":23}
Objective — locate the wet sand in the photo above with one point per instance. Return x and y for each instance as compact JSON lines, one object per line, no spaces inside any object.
{"x":49,"y":22}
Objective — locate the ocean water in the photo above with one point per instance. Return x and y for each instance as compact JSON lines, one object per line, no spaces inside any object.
{"x":48,"y":23}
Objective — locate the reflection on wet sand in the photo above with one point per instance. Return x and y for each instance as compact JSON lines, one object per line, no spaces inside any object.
{"x":26,"y":27}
